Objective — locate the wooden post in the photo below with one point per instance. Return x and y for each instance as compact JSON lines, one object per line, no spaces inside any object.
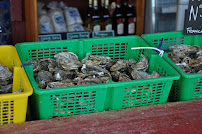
{"x":140,"y":7}
{"x":31,"y":20}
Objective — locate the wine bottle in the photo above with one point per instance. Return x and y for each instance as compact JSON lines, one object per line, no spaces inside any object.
{"x":96,"y":19}
{"x":118,"y":20}
{"x":102,"y":8}
{"x":89,"y":14}
{"x":130,"y":20}
{"x":106,"y":19}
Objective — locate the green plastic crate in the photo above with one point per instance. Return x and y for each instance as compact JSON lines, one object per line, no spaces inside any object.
{"x":62,"y":101}
{"x":59,"y":102}
{"x":136,"y":92}
{"x":190,"y":85}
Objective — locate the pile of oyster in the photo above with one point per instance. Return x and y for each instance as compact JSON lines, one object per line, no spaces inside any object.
{"x":187,"y":57}
{"x":68,"y":71}
{"x":6,"y":80}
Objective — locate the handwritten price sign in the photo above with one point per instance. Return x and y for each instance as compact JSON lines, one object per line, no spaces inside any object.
{"x":193,"y":18}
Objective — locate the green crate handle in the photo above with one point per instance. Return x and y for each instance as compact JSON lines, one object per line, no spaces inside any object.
{"x":160,"y":54}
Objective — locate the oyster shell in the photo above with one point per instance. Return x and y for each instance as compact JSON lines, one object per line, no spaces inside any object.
{"x":89,"y":82}
{"x":119,"y":65}
{"x":62,"y":74}
{"x":58,"y":85}
{"x":137,"y":75}
{"x":5,"y":73}
{"x":154,"y":74}
{"x":92,"y":60}
{"x":124,"y":77}
{"x":142,"y":64}
{"x":68,"y":61}
{"x":36,"y":66}
{"x":185,"y":67}
{"x":115,"y":75}
{"x":6,"y":89}
{"x":43,"y":78}
{"x":47,"y":64}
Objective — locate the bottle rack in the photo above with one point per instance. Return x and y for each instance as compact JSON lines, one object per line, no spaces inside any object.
{"x":31,"y":17}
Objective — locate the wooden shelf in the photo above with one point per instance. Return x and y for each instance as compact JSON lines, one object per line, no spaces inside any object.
{"x":31,"y":18}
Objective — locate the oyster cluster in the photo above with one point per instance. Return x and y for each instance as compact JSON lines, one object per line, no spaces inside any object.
{"x":6,"y":80}
{"x":187,"y":57}
{"x":68,"y":71}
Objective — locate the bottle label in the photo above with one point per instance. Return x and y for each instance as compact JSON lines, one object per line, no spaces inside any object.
{"x":108,"y":24}
{"x":120,"y":26}
{"x":97,"y":26}
{"x":45,"y":28}
{"x":108,"y":27}
{"x":131,"y":25}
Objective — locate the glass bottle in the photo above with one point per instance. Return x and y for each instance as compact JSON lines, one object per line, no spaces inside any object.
{"x":95,"y":24}
{"x":89,"y":14}
{"x":130,"y":20}
{"x":106,"y":19}
{"x":118,"y":20}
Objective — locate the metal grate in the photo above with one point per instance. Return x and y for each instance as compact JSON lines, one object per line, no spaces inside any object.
{"x":197,"y":89}
{"x":114,"y":51}
{"x":168,"y":42}
{"x":46,"y":52}
{"x":73,"y":103}
{"x":142,"y":95}
{"x":6,"y":112}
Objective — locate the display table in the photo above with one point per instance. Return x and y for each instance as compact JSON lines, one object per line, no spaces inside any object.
{"x":178,"y":117}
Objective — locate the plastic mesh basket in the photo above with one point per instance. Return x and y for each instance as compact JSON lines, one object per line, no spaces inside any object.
{"x":136,"y":92}
{"x":86,"y":99}
{"x":13,"y":107}
{"x":190,"y":85}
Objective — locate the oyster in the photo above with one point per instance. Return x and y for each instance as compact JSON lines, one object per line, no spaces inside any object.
{"x":5,"y":73}
{"x":43,"y":78}
{"x":6,"y":89}
{"x":154,"y":74}
{"x":115,"y":75}
{"x":68,"y":61}
{"x":92,"y":60}
{"x":36,"y":66}
{"x":137,"y":75}
{"x":119,"y":65}
{"x":185,"y":67}
{"x":124,"y":77}
{"x":62,"y":74}
{"x":142,"y":64}
{"x":187,"y":57}
{"x":58,"y":85}
{"x":89,"y":82}
{"x":47,"y":64}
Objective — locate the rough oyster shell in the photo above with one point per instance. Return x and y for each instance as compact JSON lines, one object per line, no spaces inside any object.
{"x":154,"y":74}
{"x":62,"y":74}
{"x":137,"y":75}
{"x":6,"y":89}
{"x":89,"y":82}
{"x":124,"y":77}
{"x":43,"y":78}
{"x":47,"y":64}
{"x":36,"y":66}
{"x":68,"y":61}
{"x":58,"y":85}
{"x":119,"y":65}
{"x":142,"y":64}
{"x":92,"y":60}
{"x":5,"y":73}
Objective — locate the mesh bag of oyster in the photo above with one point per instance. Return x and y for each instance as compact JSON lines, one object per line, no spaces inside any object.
{"x":94,"y":75}
{"x":184,"y":53}
{"x":14,"y":87}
